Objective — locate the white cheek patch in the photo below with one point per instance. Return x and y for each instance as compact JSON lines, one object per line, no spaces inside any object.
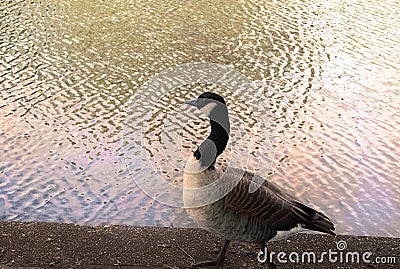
{"x":208,"y":108}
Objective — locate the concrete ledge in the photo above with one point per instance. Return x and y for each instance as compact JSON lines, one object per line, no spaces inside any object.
{"x":53,"y":245}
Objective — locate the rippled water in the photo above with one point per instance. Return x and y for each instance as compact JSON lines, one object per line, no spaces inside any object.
{"x":68,"y":71}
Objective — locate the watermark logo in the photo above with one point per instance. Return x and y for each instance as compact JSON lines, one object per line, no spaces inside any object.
{"x":338,"y":255}
{"x":341,"y":245}
{"x":153,"y":135}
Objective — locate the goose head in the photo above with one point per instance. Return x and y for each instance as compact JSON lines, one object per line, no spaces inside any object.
{"x":208,"y":103}
{"x":214,"y":107}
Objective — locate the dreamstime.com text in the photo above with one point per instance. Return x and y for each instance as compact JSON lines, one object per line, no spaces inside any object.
{"x":339,"y":255}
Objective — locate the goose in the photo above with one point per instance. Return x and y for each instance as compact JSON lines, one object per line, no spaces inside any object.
{"x":258,"y":217}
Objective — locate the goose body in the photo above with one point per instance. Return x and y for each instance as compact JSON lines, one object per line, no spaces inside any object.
{"x":222,"y":219}
{"x":258,"y":217}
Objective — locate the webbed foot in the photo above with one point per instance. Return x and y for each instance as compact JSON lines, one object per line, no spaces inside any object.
{"x":214,"y":263}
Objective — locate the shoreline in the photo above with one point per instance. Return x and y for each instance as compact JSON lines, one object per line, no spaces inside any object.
{"x":37,"y":245}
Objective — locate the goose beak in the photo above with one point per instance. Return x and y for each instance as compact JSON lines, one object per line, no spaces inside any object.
{"x":192,"y":102}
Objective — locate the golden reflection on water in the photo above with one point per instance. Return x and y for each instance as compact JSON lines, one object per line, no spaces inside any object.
{"x":69,"y":68}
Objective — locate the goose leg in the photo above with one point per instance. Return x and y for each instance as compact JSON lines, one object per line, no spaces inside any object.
{"x":218,"y":261}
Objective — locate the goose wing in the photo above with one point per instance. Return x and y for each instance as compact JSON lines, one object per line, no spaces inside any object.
{"x":274,"y":207}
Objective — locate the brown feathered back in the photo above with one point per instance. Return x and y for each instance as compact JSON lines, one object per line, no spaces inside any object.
{"x":272,"y":206}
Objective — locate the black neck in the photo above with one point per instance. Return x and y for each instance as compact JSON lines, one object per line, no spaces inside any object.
{"x":219,"y":137}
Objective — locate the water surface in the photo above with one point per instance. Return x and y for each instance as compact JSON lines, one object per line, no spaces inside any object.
{"x":68,"y":71}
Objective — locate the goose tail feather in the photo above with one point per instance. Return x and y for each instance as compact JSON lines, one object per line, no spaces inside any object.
{"x":313,"y":220}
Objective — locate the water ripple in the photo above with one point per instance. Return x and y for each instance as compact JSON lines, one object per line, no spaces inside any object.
{"x":69,"y":68}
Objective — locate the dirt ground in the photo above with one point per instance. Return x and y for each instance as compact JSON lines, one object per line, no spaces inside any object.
{"x":52,"y":245}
